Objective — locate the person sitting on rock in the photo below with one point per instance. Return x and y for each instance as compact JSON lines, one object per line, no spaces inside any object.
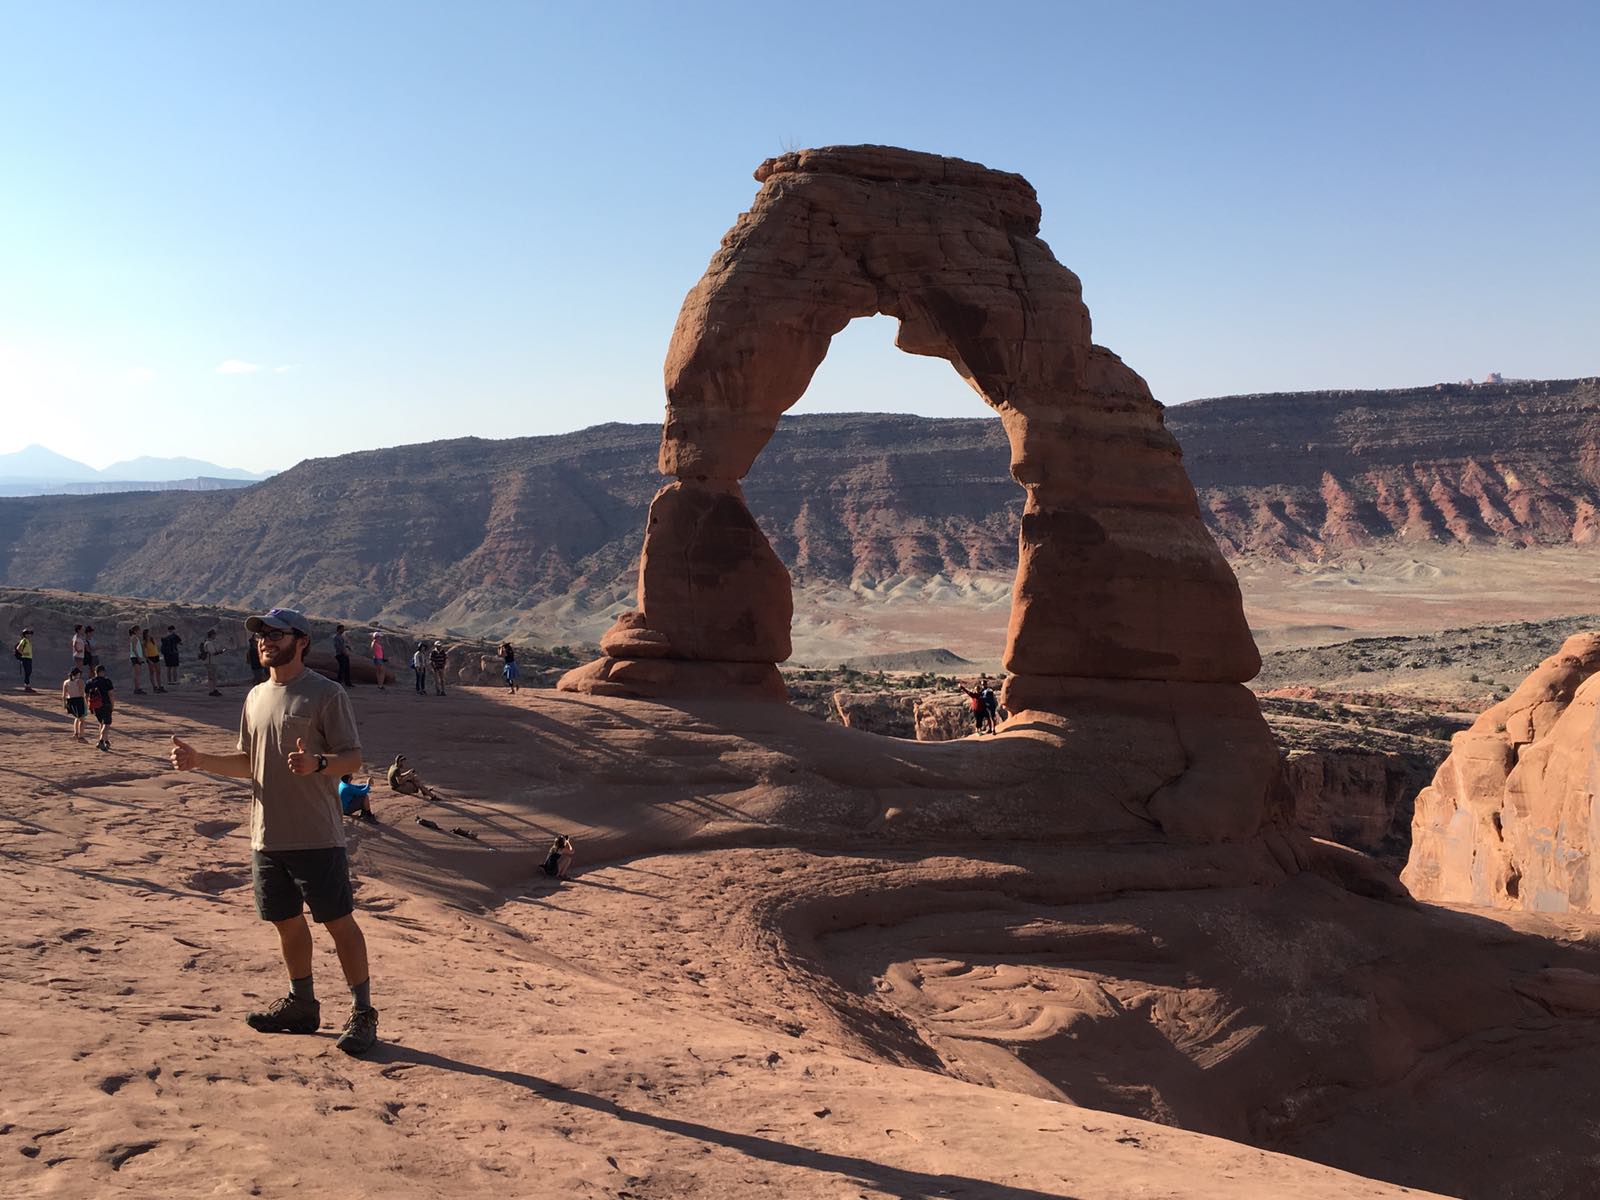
{"x":404,"y":780}
{"x":355,"y":799}
{"x":559,"y":861}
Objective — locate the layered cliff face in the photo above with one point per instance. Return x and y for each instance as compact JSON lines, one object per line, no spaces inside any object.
{"x":1309,"y":475}
{"x":491,"y":536}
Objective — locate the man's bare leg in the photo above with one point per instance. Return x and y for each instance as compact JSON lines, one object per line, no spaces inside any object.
{"x":351,"y":945}
{"x":294,"y":939}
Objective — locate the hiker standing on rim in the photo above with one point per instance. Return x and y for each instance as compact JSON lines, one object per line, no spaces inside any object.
{"x":136,"y":659}
{"x":341,"y":655}
{"x":297,"y":736}
{"x":436,"y":660}
{"x":24,"y":652}
{"x":208,"y":655}
{"x":169,"y":652}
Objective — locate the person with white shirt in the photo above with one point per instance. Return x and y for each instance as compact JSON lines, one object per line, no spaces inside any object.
{"x":136,"y":658}
{"x":208,"y":655}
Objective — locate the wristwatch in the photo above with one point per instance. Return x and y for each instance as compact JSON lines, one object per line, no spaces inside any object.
{"x":322,"y":762}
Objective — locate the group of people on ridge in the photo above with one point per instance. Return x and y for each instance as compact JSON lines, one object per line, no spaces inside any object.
{"x":428,"y":657}
{"x":984,"y":703}
{"x":88,"y":688}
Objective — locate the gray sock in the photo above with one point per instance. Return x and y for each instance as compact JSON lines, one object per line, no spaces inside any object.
{"x":301,"y":989}
{"x":362,"y":994}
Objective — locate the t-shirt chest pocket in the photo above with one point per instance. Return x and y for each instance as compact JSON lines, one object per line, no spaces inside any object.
{"x":298,"y":728}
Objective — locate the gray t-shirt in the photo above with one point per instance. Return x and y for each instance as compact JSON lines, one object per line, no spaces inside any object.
{"x":289,"y":811}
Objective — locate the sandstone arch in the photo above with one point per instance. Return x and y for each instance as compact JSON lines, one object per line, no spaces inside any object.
{"x":1118,"y":580}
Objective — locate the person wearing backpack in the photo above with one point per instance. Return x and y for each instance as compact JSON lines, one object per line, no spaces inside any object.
{"x":23,"y":651}
{"x":98,"y":691}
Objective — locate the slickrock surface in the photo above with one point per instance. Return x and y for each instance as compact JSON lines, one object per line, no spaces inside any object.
{"x":795,"y":959}
{"x":1509,"y":818}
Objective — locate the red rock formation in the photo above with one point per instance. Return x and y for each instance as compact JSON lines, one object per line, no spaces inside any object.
{"x":1355,"y":798}
{"x":1510,"y":817}
{"x":1117,"y":578}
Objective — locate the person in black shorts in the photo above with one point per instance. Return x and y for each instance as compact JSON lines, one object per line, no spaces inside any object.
{"x":97,"y":690}
{"x":169,"y":652}
{"x":297,"y":736}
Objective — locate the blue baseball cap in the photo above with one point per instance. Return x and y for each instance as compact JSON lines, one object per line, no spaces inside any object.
{"x":280,"y":618}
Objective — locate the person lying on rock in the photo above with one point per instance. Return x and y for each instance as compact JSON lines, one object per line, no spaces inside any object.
{"x":404,"y":780}
{"x":355,"y":800}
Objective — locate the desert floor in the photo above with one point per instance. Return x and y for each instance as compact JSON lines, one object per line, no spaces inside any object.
{"x":640,"y":1031}
{"x":1386,"y":592}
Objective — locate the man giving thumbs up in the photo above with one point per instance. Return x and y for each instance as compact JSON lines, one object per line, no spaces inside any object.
{"x":297,"y":736}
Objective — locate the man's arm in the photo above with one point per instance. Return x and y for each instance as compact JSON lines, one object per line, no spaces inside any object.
{"x":186,"y":758}
{"x":304,"y":762}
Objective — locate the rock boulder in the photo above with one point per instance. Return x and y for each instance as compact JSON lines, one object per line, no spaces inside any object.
{"x":1509,"y":819}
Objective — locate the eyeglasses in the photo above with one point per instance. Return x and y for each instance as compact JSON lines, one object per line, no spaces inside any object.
{"x":272,"y":635}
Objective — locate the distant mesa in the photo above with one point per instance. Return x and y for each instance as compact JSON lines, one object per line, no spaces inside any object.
{"x":936,"y":659}
{"x":39,"y":471}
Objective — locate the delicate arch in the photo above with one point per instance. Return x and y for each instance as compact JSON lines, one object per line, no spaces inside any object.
{"x":1124,"y":619}
{"x":1117,"y":577}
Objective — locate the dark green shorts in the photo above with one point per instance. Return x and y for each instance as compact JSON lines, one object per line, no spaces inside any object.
{"x":286,"y":880}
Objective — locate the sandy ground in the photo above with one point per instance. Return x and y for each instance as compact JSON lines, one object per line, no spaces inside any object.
{"x":640,"y":1032}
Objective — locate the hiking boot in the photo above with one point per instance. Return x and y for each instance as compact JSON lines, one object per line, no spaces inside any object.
{"x":287,"y":1014}
{"x":368,"y":817}
{"x":360,"y":1031}
{"x":213,"y":692}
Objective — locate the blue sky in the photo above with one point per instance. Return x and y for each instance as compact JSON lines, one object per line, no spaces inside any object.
{"x":252,"y":233}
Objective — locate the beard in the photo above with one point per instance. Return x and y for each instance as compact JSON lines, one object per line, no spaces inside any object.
{"x":277,"y":654}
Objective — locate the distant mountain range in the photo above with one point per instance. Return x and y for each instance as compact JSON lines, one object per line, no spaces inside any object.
{"x":38,"y":471}
{"x":540,"y":536}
